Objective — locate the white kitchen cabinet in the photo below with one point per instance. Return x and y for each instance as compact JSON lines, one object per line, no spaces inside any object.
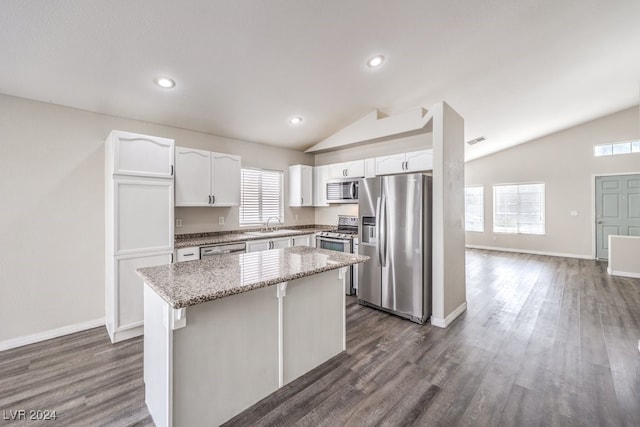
{"x":370,"y":167}
{"x":139,"y":155}
{"x":142,"y":220}
{"x":205,"y":178}
{"x":263,"y":245}
{"x":302,"y":240}
{"x":390,"y":164}
{"x":354,"y":169}
{"x":225,"y":179}
{"x":320,"y":176}
{"x":418,"y":161}
{"x":300,"y":185}
{"x":415,"y":161}
{"x":138,"y":224}
{"x":188,"y":254}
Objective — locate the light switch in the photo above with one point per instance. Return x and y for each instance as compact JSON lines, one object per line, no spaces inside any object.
{"x":220,"y":220}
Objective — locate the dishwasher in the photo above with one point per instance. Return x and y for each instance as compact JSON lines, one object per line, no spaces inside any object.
{"x":223,"y":248}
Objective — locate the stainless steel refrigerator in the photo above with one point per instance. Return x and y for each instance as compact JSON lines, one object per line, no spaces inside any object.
{"x":395,"y":231}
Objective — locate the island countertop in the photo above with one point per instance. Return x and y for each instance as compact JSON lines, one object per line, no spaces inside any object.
{"x":190,"y":283}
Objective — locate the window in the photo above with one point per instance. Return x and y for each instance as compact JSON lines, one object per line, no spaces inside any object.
{"x":518,"y":208}
{"x":474,"y":208}
{"x":627,"y":147}
{"x":260,"y":196}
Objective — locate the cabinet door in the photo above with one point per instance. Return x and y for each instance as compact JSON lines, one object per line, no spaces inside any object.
{"x":370,"y":168}
{"x":354,"y":169}
{"x":307,"y":185}
{"x":285,"y":242}
{"x":337,"y":170}
{"x":320,"y":176}
{"x":129,"y":306}
{"x":295,"y":185}
{"x":258,"y":245}
{"x":225,"y":179}
{"x":390,"y":164}
{"x":142,"y":155}
{"x":143,"y":216}
{"x":419,"y":161}
{"x":193,"y":177}
{"x":301,"y":240}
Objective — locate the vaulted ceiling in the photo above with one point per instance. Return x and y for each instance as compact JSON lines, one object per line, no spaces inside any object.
{"x":515,"y":70}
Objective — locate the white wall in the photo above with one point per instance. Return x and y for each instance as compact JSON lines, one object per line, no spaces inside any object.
{"x":52,"y":215}
{"x":564,"y":161}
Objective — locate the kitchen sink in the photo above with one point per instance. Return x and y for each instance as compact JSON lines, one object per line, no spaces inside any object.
{"x":272,"y":232}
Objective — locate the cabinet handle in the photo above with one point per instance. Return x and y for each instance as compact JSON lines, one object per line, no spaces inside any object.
{"x":209,"y":199}
{"x":171,"y":258}
{"x":302,"y":200}
{"x":171,"y":170}
{"x":188,"y":254}
{"x":213,"y":200}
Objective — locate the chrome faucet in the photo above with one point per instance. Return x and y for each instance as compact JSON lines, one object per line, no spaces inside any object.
{"x":273,"y":217}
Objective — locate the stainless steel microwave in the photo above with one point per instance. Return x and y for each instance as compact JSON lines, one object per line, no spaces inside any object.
{"x":342,"y":190}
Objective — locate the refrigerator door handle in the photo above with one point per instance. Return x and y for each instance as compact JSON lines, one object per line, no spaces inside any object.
{"x":383,"y":229}
{"x":378,"y":241}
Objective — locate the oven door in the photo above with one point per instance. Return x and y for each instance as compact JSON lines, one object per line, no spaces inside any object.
{"x":339,"y":245}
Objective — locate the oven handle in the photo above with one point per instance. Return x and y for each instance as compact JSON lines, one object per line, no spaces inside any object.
{"x":328,"y":239}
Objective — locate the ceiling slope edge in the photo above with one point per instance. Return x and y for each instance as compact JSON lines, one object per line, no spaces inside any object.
{"x":376,"y":126}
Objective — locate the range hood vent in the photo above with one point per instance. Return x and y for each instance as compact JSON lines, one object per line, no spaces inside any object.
{"x":476,"y":140}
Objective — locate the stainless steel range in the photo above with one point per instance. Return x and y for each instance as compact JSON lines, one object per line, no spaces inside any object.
{"x":343,"y":239}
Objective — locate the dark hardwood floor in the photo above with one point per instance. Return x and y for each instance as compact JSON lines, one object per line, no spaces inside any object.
{"x":545,"y":341}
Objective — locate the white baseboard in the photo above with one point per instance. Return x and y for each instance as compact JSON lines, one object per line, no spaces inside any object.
{"x":443,"y":323}
{"x":524,"y":251}
{"x":53,"y":333}
{"x":623,"y":273}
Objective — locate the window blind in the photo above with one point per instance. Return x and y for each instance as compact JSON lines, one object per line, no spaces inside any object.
{"x":261,"y":196}
{"x":518,"y":208}
{"x":474,"y":208}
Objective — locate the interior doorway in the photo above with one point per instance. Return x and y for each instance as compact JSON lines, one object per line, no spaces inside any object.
{"x":617,"y":209}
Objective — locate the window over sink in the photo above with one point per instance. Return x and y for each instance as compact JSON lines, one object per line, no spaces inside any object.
{"x":261,"y":196}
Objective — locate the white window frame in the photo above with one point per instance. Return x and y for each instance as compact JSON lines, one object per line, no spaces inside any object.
{"x":466,"y":212}
{"x":623,"y":147}
{"x":501,"y":229}
{"x":261,"y":216}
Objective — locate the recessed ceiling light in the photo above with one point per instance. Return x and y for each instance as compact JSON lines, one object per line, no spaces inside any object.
{"x":295,"y":120}
{"x":376,"y":61}
{"x":165,"y":82}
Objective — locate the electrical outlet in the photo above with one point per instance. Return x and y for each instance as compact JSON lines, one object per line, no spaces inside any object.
{"x":178,"y":222}
{"x":220,"y":220}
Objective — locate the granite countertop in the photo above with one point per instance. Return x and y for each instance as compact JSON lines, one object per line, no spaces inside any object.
{"x":190,"y":283}
{"x":203,"y":239}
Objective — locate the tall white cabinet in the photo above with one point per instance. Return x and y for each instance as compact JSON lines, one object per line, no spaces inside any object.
{"x":139,"y":223}
{"x":300,"y":185}
{"x":205,"y":178}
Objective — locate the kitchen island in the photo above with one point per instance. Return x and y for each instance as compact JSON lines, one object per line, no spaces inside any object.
{"x":224,"y":332}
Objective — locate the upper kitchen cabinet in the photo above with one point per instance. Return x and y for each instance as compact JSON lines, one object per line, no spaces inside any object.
{"x":415,"y":161}
{"x":300,"y":185}
{"x":320,"y":176}
{"x":205,"y":178}
{"x":139,"y":155}
{"x":353,"y":169}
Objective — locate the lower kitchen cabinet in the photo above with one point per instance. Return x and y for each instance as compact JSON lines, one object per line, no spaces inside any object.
{"x":263,"y":245}
{"x":302,"y":240}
